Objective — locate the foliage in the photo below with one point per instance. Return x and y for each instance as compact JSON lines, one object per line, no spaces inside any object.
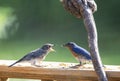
{"x":39,"y":21}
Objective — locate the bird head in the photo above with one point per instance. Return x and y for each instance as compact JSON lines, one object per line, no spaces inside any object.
{"x":69,"y":44}
{"x":48,"y":47}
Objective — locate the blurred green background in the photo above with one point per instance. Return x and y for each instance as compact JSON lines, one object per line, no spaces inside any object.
{"x":28,"y":24}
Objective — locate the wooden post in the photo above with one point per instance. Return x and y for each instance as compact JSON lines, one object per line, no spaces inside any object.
{"x":3,"y":79}
{"x":46,"y":80}
{"x":67,"y":80}
{"x":73,"y":80}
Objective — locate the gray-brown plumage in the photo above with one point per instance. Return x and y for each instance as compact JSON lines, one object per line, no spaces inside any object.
{"x":36,"y":56}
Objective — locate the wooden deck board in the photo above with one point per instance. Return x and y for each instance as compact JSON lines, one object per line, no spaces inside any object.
{"x":55,"y":71}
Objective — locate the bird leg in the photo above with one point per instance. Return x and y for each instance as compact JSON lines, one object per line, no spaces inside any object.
{"x":34,"y":64}
{"x":78,"y":65}
{"x":81,"y":63}
{"x":37,"y":65}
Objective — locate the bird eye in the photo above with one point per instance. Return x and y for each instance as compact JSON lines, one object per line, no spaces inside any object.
{"x":69,"y":44}
{"x":49,"y":46}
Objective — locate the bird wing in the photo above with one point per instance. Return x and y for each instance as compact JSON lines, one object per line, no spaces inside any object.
{"x":30,"y":56}
{"x":33,"y":55}
{"x":82,"y":51}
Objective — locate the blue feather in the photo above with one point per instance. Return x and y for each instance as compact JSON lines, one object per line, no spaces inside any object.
{"x":81,"y":51}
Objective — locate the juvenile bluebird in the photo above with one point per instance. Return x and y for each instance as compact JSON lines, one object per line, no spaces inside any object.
{"x":81,"y":54}
{"x":36,"y":56}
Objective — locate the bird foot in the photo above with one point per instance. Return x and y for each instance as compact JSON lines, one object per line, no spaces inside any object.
{"x":40,"y":65}
{"x":76,"y":66}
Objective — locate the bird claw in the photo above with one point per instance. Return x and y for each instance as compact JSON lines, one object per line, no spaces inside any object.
{"x":76,"y":66}
{"x":40,"y":65}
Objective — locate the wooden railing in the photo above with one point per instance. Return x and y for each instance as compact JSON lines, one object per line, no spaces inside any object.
{"x":58,"y":71}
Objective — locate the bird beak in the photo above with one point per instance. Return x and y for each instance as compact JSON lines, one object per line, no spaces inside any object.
{"x":51,"y":49}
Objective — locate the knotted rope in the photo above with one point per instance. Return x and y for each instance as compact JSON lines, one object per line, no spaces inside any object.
{"x":75,"y":9}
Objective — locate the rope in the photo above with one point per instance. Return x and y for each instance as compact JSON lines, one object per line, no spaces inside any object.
{"x":74,"y":7}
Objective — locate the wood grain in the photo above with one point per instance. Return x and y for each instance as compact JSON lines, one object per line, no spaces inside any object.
{"x":55,"y":71}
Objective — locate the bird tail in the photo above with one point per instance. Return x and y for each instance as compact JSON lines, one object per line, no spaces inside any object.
{"x":14,"y":63}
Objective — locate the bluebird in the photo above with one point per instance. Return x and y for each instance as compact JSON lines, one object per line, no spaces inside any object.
{"x":81,"y":54}
{"x":36,"y":56}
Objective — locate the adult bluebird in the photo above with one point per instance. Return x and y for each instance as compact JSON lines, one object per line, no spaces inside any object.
{"x":81,"y":54}
{"x":36,"y":56}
